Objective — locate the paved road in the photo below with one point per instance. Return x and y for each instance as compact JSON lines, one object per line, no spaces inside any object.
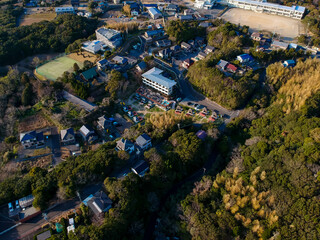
{"x":78,"y":101}
{"x":194,"y":96}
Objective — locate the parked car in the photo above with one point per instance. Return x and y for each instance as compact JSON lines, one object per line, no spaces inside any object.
{"x":190,"y":104}
{"x":199,"y":107}
{"x":17,"y":204}
{"x":129,"y":108}
{"x":125,"y":109}
{"x":179,"y":99}
{"x":10,"y":207}
{"x":116,"y":124}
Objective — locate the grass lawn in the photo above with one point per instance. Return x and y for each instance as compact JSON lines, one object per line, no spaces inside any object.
{"x":55,"y":68}
{"x":38,"y":17}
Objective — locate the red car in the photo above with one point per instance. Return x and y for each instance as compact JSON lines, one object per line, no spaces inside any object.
{"x":140,"y":118}
{"x":134,"y":113}
{"x":129,"y":108}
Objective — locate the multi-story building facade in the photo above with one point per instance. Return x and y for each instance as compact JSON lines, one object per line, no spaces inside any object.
{"x":261,"y":6}
{"x":154,"y":79}
{"x":110,"y":37}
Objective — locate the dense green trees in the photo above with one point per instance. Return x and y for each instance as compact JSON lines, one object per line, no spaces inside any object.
{"x":9,"y":15}
{"x":66,"y":178}
{"x":184,"y":31}
{"x":20,"y":42}
{"x":279,"y":162}
{"x":232,"y":91}
{"x":81,"y":89}
{"x":27,"y":95}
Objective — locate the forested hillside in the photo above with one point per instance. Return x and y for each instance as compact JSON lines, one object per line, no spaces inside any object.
{"x":20,"y":42}
{"x":271,"y":186}
{"x":229,"y":91}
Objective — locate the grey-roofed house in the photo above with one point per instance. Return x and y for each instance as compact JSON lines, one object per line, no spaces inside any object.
{"x":209,"y":49}
{"x":185,"y":17}
{"x":172,"y":8}
{"x":99,"y":203}
{"x":104,"y":122}
{"x":222,"y":64}
{"x":125,"y":145}
{"x":279,"y":45}
{"x":185,"y":45}
{"x":32,"y":139}
{"x":67,"y":136}
{"x":202,"y":55}
{"x":120,"y":60}
{"x":143,"y":142}
{"x":155,"y":80}
{"x":154,"y":13}
{"x":87,"y":133}
{"x":141,"y":168}
{"x":141,"y":66}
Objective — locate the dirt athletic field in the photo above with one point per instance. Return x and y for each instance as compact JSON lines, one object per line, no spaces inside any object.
{"x":288,"y":28}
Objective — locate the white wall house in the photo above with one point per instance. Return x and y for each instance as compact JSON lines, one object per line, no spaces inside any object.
{"x":154,"y":79}
{"x":263,"y":6}
{"x":93,"y":46}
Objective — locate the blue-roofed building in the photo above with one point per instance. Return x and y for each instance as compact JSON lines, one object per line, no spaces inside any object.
{"x":141,"y":66}
{"x":32,"y":139}
{"x":154,"y":33}
{"x":102,"y":64}
{"x":154,"y":13}
{"x":147,"y":5}
{"x":289,"y":63}
{"x":244,"y":58}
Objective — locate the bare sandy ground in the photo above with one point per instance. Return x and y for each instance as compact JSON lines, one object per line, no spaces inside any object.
{"x":287,"y":28}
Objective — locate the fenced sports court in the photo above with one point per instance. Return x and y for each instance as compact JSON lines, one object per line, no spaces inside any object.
{"x":54,"y":68}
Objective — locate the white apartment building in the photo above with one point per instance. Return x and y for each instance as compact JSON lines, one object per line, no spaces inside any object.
{"x":154,"y":79}
{"x":263,"y":6}
{"x":62,"y":10}
{"x":110,"y":37}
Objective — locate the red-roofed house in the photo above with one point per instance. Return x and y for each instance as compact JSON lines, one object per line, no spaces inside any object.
{"x":231,"y":68}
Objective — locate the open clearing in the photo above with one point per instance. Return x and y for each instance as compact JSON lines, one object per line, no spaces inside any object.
{"x":38,"y":17}
{"x":287,"y":28}
{"x":56,"y":67}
